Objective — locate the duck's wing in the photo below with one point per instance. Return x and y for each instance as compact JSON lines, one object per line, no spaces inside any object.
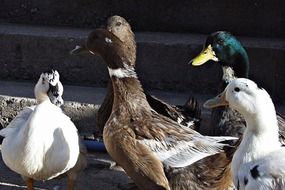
{"x":267,"y":173}
{"x":174,"y":144}
{"x":281,"y":124}
{"x":18,"y":121}
{"x":212,"y":172}
{"x":226,"y":121}
{"x":177,"y":113}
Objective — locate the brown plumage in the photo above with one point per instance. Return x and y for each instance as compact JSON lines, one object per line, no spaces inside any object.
{"x":155,"y":151}
{"x":188,"y":112}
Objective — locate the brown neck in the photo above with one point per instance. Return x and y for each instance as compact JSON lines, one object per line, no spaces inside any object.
{"x":128,"y":91}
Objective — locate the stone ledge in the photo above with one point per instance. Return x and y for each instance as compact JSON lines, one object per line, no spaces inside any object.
{"x":254,"y":18}
{"x":82,"y":114}
{"x":162,"y":59}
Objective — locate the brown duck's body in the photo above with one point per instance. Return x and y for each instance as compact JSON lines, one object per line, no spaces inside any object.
{"x":105,"y":109}
{"x":211,"y":173}
{"x":121,"y":128}
{"x":191,"y":111}
{"x":146,"y":144}
{"x":185,"y":114}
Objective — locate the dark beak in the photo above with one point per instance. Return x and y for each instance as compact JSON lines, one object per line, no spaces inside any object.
{"x":79,"y":50}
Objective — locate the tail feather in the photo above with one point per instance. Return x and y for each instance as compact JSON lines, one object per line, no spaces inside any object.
{"x":192,"y":106}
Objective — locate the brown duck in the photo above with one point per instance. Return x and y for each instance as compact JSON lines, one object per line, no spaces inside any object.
{"x":188,"y":114}
{"x":155,"y":151}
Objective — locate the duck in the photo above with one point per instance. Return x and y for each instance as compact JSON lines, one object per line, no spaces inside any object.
{"x":258,"y":162}
{"x":228,"y":51}
{"x":41,"y":146}
{"x":187,"y":114}
{"x":155,"y":151}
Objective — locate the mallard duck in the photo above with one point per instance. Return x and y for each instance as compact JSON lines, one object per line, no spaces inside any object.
{"x":187,"y":114}
{"x":224,"y":48}
{"x":259,"y":160}
{"x":41,"y":142}
{"x":155,"y":151}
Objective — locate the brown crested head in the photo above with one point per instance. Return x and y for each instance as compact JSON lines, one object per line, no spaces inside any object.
{"x":122,"y":29}
{"x":109,"y":47}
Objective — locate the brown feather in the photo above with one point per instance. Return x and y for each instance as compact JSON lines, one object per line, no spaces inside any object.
{"x":132,"y":119}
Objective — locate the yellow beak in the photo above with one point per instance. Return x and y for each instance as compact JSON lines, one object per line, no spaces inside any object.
{"x":217,"y":101}
{"x":205,"y":55}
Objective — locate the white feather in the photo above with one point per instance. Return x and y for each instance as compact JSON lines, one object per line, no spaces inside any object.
{"x":271,"y":172}
{"x":41,"y":142}
{"x":175,"y":153}
{"x":108,"y":40}
{"x":228,"y":74}
{"x":260,"y":138}
{"x":126,"y":71}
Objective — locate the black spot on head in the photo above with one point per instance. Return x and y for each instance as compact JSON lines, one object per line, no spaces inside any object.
{"x":254,"y":172}
{"x":245,"y":181}
{"x":48,"y":72}
{"x":54,"y":90}
{"x":220,"y":41}
{"x":118,"y":23}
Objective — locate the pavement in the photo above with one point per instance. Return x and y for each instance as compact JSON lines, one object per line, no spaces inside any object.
{"x":81,"y":104}
{"x":97,"y":175}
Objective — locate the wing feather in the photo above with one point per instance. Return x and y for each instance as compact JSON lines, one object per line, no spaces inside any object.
{"x":176,"y":145}
{"x":18,"y":121}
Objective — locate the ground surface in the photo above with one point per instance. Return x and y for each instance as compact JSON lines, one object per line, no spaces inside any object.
{"x":98,"y":175}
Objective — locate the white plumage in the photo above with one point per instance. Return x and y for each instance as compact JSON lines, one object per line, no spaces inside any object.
{"x":266,"y":173}
{"x":259,"y":162}
{"x":41,"y":142}
{"x":179,"y":153}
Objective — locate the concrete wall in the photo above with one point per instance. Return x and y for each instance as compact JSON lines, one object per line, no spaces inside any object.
{"x":161,"y":63}
{"x":241,"y":17}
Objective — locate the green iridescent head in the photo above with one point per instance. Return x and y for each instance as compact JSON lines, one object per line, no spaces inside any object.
{"x":224,"y":48}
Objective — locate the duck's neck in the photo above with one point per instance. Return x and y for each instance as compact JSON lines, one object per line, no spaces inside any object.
{"x":41,"y":97}
{"x":128,"y":92}
{"x":237,"y":67}
{"x":260,"y":137}
{"x":40,"y":93}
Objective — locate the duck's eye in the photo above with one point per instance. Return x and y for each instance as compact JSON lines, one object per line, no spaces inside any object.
{"x":221,"y":42}
{"x":118,"y":24}
{"x":237,"y":89}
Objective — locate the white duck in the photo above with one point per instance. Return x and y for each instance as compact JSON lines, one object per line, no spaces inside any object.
{"x":259,"y":162}
{"x":42,"y":142}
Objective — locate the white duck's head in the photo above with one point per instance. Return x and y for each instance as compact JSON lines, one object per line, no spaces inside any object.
{"x":245,"y":96}
{"x":49,"y":86}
